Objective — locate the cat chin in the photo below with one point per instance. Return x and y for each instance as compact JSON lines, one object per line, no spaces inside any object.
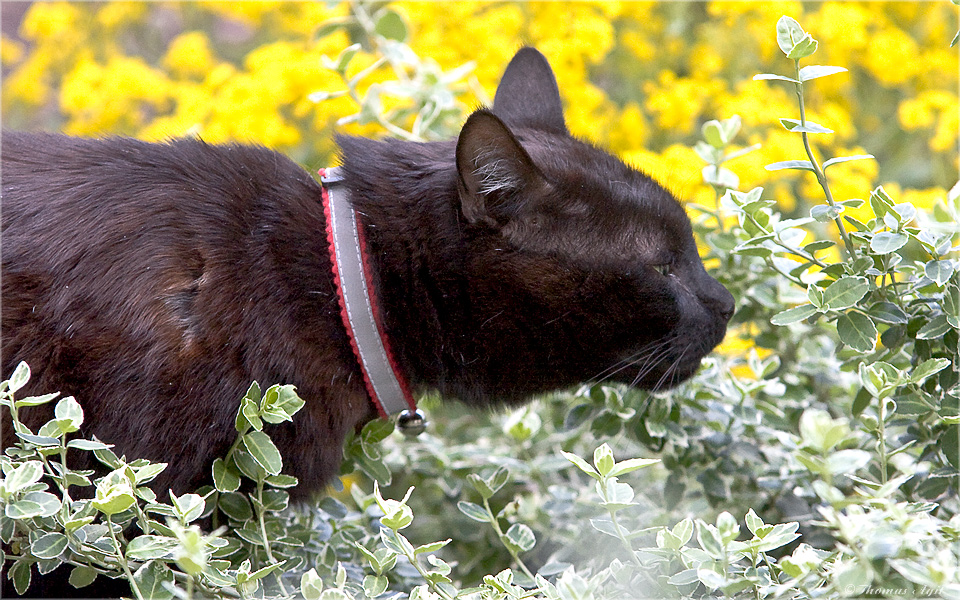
{"x":665,"y":375}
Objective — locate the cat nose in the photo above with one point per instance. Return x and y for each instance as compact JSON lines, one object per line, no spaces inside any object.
{"x":720,"y":300}
{"x":725,"y":304}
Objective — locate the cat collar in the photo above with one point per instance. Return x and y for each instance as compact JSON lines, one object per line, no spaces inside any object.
{"x":386,"y":386}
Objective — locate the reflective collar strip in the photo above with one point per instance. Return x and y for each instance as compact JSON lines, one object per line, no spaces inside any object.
{"x":358,"y":305}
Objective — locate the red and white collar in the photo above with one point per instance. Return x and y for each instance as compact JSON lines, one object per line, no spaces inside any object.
{"x":386,"y":386}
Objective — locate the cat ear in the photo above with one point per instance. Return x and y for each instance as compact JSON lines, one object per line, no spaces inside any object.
{"x":528,"y":93}
{"x":496,"y":175}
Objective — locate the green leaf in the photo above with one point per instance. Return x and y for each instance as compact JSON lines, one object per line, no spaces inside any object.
{"x":794,"y":315}
{"x":20,"y":377}
{"x":880,"y":201}
{"x":605,"y":525}
{"x":474,"y":511}
{"x":391,"y":26}
{"x":50,"y":545}
{"x":708,"y":153}
{"x":225,"y":479}
{"x":150,"y":578}
{"x":685,"y":577}
{"x":845,"y":292}
{"x":934,"y":329}
{"x":82,"y":576}
{"x":374,"y":585}
{"x":615,"y":494}
{"x":857,"y":331}
{"x":713,"y":134}
{"x":520,"y":537}
{"x":20,"y":572}
{"x":23,"y":509}
{"x":950,"y":445}
{"x":886,"y":242}
{"x":147,"y":547}
{"x":887,"y":312}
{"x":236,"y":506}
{"x":188,"y":507}
{"x":480,"y":485}
{"x":951,"y":305}
{"x":728,"y":527}
{"x":814,"y":71}
{"x":764,"y":76}
{"x":927,"y":368}
{"x":148,"y":473}
{"x":632,"y":464}
{"x":311,"y":585}
{"x":603,"y":459}
{"x":26,"y":474}
{"x":343,"y":60}
{"x":720,"y":177}
{"x":261,"y":448}
{"x":709,"y":539}
{"x":683,"y":531}
{"x":428,"y":548}
{"x":498,"y":479}
{"x":841,"y":159}
{"x":36,"y":400}
{"x":69,"y":414}
{"x":801,"y":165}
{"x":377,"y":430}
{"x":253,"y":393}
{"x":754,"y":523}
{"x":825,"y":213}
{"x":88,"y":445}
{"x":275,"y":500}
{"x":789,"y":32}
{"x":804,"y":48}
{"x":821,"y":431}
{"x":581,"y":464}
{"x":939,"y":270}
{"x":806,"y":127}
{"x":282,"y":481}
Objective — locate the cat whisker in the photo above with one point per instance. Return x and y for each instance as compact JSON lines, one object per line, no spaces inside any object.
{"x":641,"y":356}
{"x":672,"y":371}
{"x":650,"y":365}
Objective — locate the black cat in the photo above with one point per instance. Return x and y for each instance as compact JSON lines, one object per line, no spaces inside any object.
{"x":154,"y":282}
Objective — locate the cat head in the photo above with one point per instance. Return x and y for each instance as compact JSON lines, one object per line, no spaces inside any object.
{"x":588,"y":268}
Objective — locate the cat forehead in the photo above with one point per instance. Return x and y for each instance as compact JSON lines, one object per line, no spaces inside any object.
{"x":604,"y":197}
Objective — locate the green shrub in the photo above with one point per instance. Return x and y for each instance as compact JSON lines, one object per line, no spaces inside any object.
{"x":822,"y":464}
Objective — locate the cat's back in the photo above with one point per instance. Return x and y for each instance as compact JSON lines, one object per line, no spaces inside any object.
{"x":157,"y":248}
{"x":50,"y":176}
{"x":69,"y":200}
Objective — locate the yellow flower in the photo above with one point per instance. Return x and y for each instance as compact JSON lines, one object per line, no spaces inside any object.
{"x":678,"y":102}
{"x":11,"y":52}
{"x":190,"y":55}
{"x":923,"y":199}
{"x":51,"y":20}
{"x":931,"y":108}
{"x":677,"y":168}
{"x":114,"y":15}
{"x":29,"y":85}
{"x":111,"y":97}
{"x":891,"y":57}
{"x":628,"y":131}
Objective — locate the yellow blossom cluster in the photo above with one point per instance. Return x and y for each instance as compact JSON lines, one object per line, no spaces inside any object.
{"x":639,"y":78}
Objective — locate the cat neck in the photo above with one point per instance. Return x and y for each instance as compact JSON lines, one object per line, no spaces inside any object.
{"x":406,"y":196}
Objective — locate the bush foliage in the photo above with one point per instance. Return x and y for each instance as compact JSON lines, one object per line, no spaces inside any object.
{"x":816,"y":455}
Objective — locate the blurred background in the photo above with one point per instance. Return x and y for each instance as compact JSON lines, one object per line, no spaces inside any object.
{"x":639,"y":78}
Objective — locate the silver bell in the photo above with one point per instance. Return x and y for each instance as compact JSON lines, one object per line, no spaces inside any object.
{"x":411,"y":423}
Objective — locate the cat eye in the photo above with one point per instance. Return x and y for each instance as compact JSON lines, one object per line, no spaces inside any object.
{"x":663,"y":269}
